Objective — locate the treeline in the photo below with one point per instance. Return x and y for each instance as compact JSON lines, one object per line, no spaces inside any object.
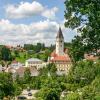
{"x":38,"y":47}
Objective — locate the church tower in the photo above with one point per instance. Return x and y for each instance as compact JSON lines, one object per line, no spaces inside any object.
{"x":60,"y":43}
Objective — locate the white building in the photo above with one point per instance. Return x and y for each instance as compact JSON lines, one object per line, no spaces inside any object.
{"x":15,"y":64}
{"x":60,"y":55}
{"x":35,"y":62}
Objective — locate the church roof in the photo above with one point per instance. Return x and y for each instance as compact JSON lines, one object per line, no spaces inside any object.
{"x":59,"y":34}
{"x":56,"y":57}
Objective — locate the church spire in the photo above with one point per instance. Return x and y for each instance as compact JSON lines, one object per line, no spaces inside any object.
{"x":59,"y":34}
{"x":60,"y":43}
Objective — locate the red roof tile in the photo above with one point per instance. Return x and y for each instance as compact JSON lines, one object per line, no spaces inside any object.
{"x":14,"y":61}
{"x":56,"y":57}
{"x":90,"y":57}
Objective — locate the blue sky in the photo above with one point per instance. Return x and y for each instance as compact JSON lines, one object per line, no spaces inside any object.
{"x":32,"y":21}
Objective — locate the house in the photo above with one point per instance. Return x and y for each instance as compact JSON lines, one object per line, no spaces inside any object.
{"x":60,"y":55}
{"x":35,"y":62}
{"x":20,"y":71}
{"x":91,"y":57}
{"x":15,"y":64}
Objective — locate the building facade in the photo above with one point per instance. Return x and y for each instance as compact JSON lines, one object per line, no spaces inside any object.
{"x":35,"y":62}
{"x":60,"y":55}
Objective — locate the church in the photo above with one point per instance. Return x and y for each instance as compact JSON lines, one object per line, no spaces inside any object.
{"x":60,"y":55}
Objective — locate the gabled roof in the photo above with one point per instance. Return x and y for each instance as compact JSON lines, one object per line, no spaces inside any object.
{"x":34,"y":59}
{"x":59,"y":34}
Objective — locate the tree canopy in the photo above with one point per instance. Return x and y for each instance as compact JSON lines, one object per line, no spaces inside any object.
{"x":85,"y":16}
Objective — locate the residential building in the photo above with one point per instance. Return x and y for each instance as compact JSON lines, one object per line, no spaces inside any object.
{"x":35,"y":62}
{"x":15,"y":64}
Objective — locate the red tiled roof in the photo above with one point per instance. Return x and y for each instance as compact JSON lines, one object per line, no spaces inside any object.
{"x":14,"y":61}
{"x":90,"y":57}
{"x":56,"y":57}
{"x":20,"y":70}
{"x":53,"y":54}
{"x":8,"y":46}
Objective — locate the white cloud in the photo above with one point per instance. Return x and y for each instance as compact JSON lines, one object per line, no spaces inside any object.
{"x":24,"y":9}
{"x":27,"y":9}
{"x":43,"y":31}
{"x":50,"y":13}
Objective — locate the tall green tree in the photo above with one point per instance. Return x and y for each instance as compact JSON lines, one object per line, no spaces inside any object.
{"x":76,"y":49}
{"x":85,"y":16}
{"x":27,"y":75}
{"x":6,"y":54}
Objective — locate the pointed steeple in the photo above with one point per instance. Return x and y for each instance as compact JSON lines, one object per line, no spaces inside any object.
{"x":59,"y":43}
{"x":59,"y":34}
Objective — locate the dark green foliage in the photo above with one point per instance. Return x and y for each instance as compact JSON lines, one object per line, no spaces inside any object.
{"x":16,"y":53}
{"x":76,"y":49}
{"x":48,"y":94}
{"x":52,"y":68}
{"x":27,"y":75}
{"x":85,"y":16}
{"x":6,"y":54}
{"x":36,"y":48}
{"x":84,"y":72}
{"x":6,"y":85}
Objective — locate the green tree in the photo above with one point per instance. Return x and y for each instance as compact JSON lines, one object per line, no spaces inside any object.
{"x":16,"y":53}
{"x":76,"y":49}
{"x":85,"y":16}
{"x":88,"y":93}
{"x":84,"y":72}
{"x":48,"y":94}
{"x":6,"y":85}
{"x":52,"y":69}
{"x":6,"y":54}
{"x":27,"y":75}
{"x":72,"y":96}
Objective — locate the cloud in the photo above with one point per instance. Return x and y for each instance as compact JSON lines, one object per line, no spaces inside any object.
{"x":50,"y":13}
{"x":24,"y":9}
{"x":27,"y":9}
{"x":42,"y":31}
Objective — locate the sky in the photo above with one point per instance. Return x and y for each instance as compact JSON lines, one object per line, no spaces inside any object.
{"x":32,"y":21}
